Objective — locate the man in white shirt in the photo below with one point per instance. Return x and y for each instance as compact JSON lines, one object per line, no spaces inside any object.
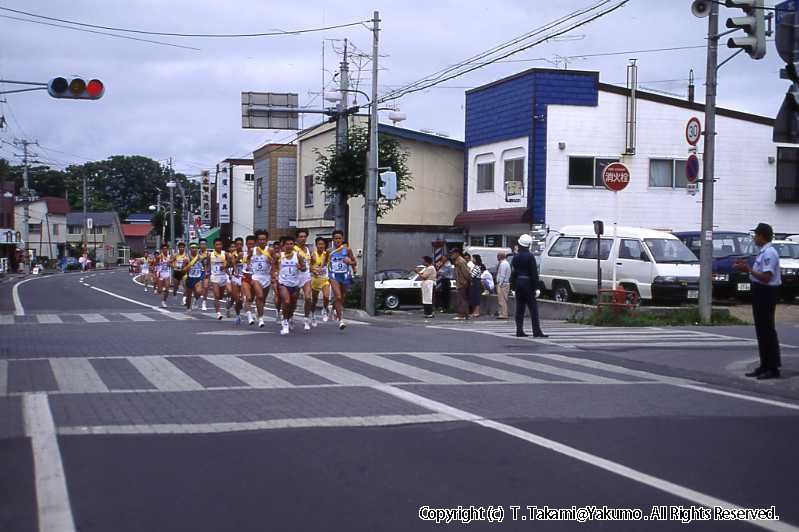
{"x":503,"y":285}
{"x":765,"y":277}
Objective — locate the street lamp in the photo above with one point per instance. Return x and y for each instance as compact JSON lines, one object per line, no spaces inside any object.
{"x":171,"y":186}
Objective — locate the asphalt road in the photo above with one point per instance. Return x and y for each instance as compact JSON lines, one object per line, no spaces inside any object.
{"x":118,"y":415}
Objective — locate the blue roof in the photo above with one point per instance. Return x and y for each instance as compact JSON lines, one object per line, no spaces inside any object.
{"x":418,"y":136}
{"x":139,"y":217}
{"x":98,"y":218}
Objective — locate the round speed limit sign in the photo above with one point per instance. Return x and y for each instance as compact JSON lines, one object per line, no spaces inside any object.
{"x":693,"y":131}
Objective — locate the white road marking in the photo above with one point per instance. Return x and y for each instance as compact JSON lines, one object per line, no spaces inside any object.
{"x":164,"y":375}
{"x":248,"y":373}
{"x":613,"y":467}
{"x":52,"y":498}
{"x":19,"y":310}
{"x":76,"y":375}
{"x":136,"y":316}
{"x":401,"y":368}
{"x":176,"y":315}
{"x":208,"y":428}
{"x":3,"y":377}
{"x":326,"y":370}
{"x":6,"y":319}
{"x":488,"y":371}
{"x":48,"y":318}
{"x":553,"y":370}
{"x":233,"y":333}
{"x":744,"y":397}
{"x":93,"y":318}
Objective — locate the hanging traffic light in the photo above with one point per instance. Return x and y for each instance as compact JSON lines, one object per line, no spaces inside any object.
{"x":753,"y":24}
{"x":76,"y":88}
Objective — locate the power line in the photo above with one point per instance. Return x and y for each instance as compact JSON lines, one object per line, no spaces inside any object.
{"x":403,"y":92}
{"x":99,"y":32}
{"x":175,"y":34}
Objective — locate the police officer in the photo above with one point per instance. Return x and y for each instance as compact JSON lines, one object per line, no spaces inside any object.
{"x":524,"y":281}
{"x":766,"y":280}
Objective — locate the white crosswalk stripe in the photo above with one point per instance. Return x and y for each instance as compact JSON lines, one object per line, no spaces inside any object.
{"x":159,"y":315}
{"x":49,"y":318}
{"x":6,"y":319}
{"x":136,"y":316}
{"x":94,"y":318}
{"x":609,"y":337}
{"x":78,"y":375}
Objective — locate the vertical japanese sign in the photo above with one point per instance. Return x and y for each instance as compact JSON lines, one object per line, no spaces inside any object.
{"x":223,"y":196}
{"x":205,"y":198}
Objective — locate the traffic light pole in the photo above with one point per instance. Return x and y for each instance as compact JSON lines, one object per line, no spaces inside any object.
{"x":706,"y":250}
{"x":370,"y":223}
{"x":342,"y":136}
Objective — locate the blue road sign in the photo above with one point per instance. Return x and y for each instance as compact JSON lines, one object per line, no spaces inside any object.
{"x":784,"y":9}
{"x":692,"y":168}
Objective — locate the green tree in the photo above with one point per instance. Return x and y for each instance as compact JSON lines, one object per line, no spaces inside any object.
{"x":346,"y":172}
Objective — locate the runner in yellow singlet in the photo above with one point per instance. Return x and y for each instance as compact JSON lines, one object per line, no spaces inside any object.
{"x":320,"y":282}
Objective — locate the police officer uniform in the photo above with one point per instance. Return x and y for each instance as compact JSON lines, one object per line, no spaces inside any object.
{"x":764,"y":304}
{"x":524,"y":281}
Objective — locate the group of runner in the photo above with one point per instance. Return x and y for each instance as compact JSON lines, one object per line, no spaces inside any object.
{"x":242,"y":274}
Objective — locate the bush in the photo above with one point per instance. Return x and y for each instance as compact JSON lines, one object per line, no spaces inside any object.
{"x":607,"y":317}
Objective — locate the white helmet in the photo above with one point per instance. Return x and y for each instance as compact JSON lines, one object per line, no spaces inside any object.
{"x":525,"y":241}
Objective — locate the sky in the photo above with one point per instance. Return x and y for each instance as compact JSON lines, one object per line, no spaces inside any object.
{"x":165,"y":101}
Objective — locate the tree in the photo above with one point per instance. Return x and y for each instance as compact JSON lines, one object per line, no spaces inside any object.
{"x":346,"y":172}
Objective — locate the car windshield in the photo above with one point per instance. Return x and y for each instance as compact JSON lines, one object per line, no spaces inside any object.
{"x":732,"y":244}
{"x":411,"y":276}
{"x":787,"y":251}
{"x":670,"y":250}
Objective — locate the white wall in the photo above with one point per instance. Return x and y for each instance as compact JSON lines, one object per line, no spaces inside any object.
{"x":243,"y":200}
{"x":497,"y":152}
{"x":746,"y":180}
{"x":45,"y":244}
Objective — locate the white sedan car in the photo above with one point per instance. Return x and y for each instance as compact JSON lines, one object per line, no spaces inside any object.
{"x":399,"y":287}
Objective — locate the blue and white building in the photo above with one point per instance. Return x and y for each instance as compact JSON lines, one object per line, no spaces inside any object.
{"x":536,"y":143}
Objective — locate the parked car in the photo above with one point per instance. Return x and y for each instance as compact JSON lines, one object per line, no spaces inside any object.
{"x":789,"y":268}
{"x":728,"y":247}
{"x":397,"y":290}
{"x":655,"y":265}
{"x":68,"y":263}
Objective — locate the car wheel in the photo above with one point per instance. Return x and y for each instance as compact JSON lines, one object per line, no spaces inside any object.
{"x":562,"y":293}
{"x":392,"y":301}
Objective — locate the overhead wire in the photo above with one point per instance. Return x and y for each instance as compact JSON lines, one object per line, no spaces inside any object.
{"x":177,"y":34}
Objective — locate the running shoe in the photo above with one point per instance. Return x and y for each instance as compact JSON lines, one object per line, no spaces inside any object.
{"x":145,"y":289}
{"x":325,"y":317}
{"x":341,"y":325}
{"x":219,"y":315}
{"x":238,"y":320}
{"x":313,"y":320}
{"x":205,"y":307}
{"x":307,"y":326}
{"x":163,"y":304}
{"x":285,"y":329}
{"x":184,"y":300}
{"x":250,"y":319}
{"x":261,"y":322}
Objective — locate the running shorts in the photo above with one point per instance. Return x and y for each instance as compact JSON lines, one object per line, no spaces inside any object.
{"x":220,"y":279}
{"x":163,"y":275}
{"x":305,"y":277}
{"x":263,"y":280}
{"x":235,"y":280}
{"x":341,"y":278}
{"x":192,"y":281}
{"x":319,"y":283}
{"x":178,"y":275}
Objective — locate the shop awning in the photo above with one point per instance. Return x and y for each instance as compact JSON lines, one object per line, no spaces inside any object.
{"x":517,"y":215}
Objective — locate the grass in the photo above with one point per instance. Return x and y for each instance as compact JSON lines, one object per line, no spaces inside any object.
{"x":685,"y":316}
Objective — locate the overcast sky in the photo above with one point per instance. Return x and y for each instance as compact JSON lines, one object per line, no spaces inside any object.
{"x":165,"y":101}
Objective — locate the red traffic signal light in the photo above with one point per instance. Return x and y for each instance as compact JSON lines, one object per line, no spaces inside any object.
{"x":76,"y":88}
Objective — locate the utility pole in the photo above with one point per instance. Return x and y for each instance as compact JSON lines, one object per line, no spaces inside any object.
{"x":706,"y":250}
{"x":85,"y":236}
{"x":370,"y":218}
{"x":158,"y":210}
{"x":26,"y":191}
{"x":342,"y":131}
{"x":171,"y":206}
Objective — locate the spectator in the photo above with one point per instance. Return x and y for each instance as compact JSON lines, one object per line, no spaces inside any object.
{"x":503,"y":285}
{"x":487,"y":280}
{"x":427,"y":274}
{"x":444,"y":283}
{"x":475,"y":286}
{"x":462,"y":280}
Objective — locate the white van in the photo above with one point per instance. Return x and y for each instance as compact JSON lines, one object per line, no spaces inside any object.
{"x":656,"y":265}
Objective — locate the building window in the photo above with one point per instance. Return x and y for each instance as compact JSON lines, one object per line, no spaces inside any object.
{"x":34,"y":229}
{"x":309,"y":191}
{"x":514,"y":180}
{"x":75,"y":229}
{"x":511,"y":241}
{"x":667,"y":173}
{"x":249,"y":177}
{"x":587,"y":171}
{"x":55,"y":229}
{"x":476,"y":241}
{"x":485,"y":177}
{"x":259,"y":192}
{"x":787,"y":175}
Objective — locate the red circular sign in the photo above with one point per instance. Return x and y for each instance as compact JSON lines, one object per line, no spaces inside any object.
{"x":616,"y":177}
{"x":693,"y":131}
{"x":692,"y":168}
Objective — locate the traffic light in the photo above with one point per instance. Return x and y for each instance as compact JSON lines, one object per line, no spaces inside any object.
{"x":388,"y":187}
{"x":76,"y":88}
{"x":753,"y":24}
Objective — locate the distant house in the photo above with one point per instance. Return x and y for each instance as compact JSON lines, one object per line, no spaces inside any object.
{"x":139,"y":237}
{"x":275,"y":188}
{"x":139,"y":218}
{"x":42,"y":224}
{"x":235,"y":197}
{"x":105,"y":238}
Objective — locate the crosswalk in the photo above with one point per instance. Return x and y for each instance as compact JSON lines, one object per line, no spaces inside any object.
{"x":73,"y":318}
{"x":584,"y":336}
{"x":184,"y":373}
